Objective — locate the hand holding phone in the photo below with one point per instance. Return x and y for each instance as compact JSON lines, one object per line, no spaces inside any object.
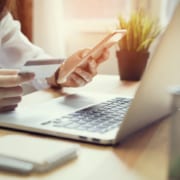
{"x":69,"y":66}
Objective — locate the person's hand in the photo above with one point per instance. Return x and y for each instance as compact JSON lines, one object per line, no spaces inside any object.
{"x":10,"y":88}
{"x":82,"y":74}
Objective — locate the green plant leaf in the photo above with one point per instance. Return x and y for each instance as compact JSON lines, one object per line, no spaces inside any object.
{"x":129,"y":37}
{"x":141,"y":31}
{"x":144,"y":45}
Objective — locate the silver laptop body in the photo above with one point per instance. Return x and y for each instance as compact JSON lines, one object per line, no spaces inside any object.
{"x":151,"y":102}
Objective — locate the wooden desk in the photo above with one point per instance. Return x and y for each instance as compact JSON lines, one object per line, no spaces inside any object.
{"x":142,"y":156}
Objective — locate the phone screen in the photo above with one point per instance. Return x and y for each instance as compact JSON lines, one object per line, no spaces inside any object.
{"x":95,"y":52}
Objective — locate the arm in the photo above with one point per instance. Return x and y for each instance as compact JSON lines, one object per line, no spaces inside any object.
{"x":16,"y":50}
{"x":15,"y":47}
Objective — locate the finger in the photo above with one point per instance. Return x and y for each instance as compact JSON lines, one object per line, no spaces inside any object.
{"x":103,"y":57}
{"x":11,"y":92}
{"x":15,"y":80}
{"x":70,"y":65}
{"x":69,"y":83}
{"x":78,"y":80}
{"x":74,"y":81}
{"x":92,"y":67}
{"x":83,"y":74}
{"x":74,"y":59}
{"x":8,"y":108}
{"x":8,"y":72}
{"x":9,"y":101}
{"x":84,"y":52}
{"x":25,"y":75}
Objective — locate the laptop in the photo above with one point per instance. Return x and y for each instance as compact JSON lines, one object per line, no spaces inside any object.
{"x":61,"y":116}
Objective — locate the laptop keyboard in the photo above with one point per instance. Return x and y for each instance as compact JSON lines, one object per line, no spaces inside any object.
{"x":100,"y":118}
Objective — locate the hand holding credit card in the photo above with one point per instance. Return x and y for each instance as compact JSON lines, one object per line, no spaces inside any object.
{"x":68,"y":67}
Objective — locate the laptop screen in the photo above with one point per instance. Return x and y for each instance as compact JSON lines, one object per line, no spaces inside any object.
{"x":153,"y":100}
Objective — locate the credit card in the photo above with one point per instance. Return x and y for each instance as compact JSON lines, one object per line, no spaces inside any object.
{"x":42,"y":67}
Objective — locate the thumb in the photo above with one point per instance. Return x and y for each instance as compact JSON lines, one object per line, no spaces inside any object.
{"x":24,"y":76}
{"x":84,"y":52}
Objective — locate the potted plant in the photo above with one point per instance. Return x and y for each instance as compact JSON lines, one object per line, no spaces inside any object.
{"x":133,"y":50}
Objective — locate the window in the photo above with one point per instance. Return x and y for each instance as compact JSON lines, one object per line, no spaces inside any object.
{"x":93,"y":15}
{"x":90,"y":9}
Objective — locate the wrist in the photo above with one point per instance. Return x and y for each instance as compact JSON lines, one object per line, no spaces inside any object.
{"x":52,"y":81}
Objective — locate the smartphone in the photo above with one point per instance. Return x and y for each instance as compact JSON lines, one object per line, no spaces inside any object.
{"x":107,"y":42}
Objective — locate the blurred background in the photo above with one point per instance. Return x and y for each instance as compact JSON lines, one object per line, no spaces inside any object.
{"x":63,"y":26}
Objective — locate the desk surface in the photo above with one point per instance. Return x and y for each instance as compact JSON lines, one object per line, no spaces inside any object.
{"x":142,"y":156}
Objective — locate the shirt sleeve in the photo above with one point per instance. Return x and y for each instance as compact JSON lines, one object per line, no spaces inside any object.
{"x":16,"y":49}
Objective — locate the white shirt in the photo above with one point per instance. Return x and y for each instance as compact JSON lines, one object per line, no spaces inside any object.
{"x":16,"y":49}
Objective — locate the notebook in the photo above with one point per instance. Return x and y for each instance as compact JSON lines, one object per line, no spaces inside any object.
{"x":34,"y":154}
{"x":150,"y":103}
